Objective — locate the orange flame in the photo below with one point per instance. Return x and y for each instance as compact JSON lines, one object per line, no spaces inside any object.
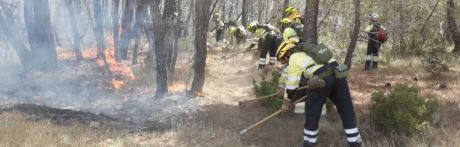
{"x":175,"y":87}
{"x":120,"y":70}
{"x":117,"y":84}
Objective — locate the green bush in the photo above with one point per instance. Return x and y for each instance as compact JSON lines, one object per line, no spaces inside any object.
{"x":402,"y":111}
{"x":434,"y":61}
{"x":267,"y":87}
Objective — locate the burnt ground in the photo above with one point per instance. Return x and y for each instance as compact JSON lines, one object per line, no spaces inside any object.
{"x":67,"y":117}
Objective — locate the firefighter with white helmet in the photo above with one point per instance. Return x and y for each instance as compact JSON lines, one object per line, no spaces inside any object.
{"x":377,"y":36}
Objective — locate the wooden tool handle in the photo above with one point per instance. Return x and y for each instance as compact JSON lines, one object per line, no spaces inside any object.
{"x":265,"y":97}
{"x":269,"y":117}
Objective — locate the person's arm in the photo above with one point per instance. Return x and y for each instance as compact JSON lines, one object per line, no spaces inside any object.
{"x":369,"y":28}
{"x":297,"y":62}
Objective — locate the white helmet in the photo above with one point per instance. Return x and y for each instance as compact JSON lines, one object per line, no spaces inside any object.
{"x":374,"y":16}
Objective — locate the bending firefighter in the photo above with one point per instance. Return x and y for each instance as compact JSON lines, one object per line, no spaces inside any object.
{"x":239,"y":33}
{"x":312,"y":64}
{"x":377,"y":36}
{"x":267,"y":37}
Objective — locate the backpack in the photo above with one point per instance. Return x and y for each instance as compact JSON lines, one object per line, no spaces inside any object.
{"x":381,"y":35}
{"x":298,"y":28}
{"x":320,"y":53}
{"x":241,"y":32}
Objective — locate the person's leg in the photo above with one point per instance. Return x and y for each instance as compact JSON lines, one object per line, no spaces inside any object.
{"x":263,"y":53}
{"x":271,"y":45}
{"x":219,"y":34}
{"x":368,"y":58}
{"x":375,"y":53}
{"x":341,"y":97}
{"x":313,"y":107}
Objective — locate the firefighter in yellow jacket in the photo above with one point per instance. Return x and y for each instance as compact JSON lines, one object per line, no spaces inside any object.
{"x":239,"y":33}
{"x":310,"y":62}
{"x":267,"y":38}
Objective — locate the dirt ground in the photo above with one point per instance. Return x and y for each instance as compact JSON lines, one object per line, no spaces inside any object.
{"x":216,"y":119}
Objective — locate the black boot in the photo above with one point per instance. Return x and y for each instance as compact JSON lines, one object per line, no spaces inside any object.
{"x":308,"y":144}
{"x":367,"y":65}
{"x":261,"y":66}
{"x":358,"y":143}
{"x":355,"y":145}
{"x":375,"y":64}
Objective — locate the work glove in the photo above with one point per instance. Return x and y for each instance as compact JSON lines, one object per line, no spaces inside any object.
{"x":287,"y":104}
{"x":316,"y":82}
{"x":280,"y":92}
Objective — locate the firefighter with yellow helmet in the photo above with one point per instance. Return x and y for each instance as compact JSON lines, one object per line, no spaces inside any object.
{"x":267,"y":38}
{"x":293,"y":14}
{"x":309,"y":63}
{"x":238,"y":32}
{"x":291,"y":28}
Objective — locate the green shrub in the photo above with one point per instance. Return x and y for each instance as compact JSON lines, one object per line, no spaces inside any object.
{"x":402,"y":111}
{"x":267,"y":87}
{"x":434,"y":61}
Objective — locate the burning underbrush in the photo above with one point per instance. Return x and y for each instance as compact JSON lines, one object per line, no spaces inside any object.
{"x":119,"y":71}
{"x":87,"y":88}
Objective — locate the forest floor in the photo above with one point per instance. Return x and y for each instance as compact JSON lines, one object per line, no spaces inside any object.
{"x":78,"y":107}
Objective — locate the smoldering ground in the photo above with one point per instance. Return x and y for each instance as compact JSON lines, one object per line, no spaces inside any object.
{"x":83,"y":87}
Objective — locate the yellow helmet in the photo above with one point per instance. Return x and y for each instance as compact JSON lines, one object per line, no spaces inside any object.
{"x":282,"y":53}
{"x":252,"y":25}
{"x":289,"y":10}
{"x":285,"y":21}
{"x":231,"y":30}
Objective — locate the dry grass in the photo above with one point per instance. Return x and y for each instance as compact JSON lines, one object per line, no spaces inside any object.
{"x":17,"y":131}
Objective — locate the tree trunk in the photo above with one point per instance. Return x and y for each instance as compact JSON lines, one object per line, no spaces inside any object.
{"x":311,"y":20}
{"x":116,"y":31}
{"x":423,"y":32}
{"x":354,"y":37}
{"x":71,"y":8}
{"x":244,"y":13}
{"x":160,"y":51}
{"x":176,"y":35}
{"x":163,"y":33}
{"x":452,"y":24}
{"x":29,"y":21}
{"x":137,"y":29}
{"x":401,"y":27}
{"x":150,"y":33}
{"x":45,"y":53}
{"x":169,"y":23}
{"x":126,"y":21}
{"x":98,"y":29}
{"x":213,"y":10}
{"x":9,"y":28}
{"x":201,"y":28}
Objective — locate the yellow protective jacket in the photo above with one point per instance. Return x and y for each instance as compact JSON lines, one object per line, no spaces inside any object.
{"x":300,"y":64}
{"x":262,"y":30}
